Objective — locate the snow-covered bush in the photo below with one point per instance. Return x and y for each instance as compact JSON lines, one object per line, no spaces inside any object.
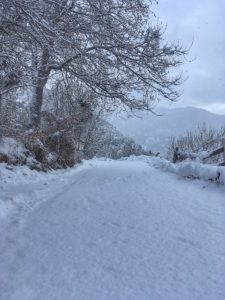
{"x":35,"y":140}
{"x":197,"y":144}
{"x":13,"y":152}
{"x":191,"y":169}
{"x":52,"y":149}
{"x":60,"y":139}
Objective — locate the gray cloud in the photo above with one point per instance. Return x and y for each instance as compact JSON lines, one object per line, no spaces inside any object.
{"x":203,"y":23}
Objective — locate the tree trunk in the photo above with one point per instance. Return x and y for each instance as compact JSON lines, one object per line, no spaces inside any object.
{"x":36,"y":105}
{"x":40,"y":79}
{"x":0,"y":115}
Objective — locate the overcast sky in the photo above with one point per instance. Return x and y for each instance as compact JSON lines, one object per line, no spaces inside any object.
{"x":203,"y":22}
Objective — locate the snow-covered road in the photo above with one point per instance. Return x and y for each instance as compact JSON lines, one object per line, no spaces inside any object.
{"x":115,"y":230}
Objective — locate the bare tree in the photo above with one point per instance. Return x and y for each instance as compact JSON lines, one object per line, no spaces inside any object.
{"x":202,"y":139}
{"x":109,"y":45}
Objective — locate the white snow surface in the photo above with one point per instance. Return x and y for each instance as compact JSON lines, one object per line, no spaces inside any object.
{"x":11,"y":147}
{"x":110,"y":230}
{"x":192,"y":169}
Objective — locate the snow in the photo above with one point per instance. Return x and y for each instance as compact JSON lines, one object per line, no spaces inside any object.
{"x":21,"y":187}
{"x":11,"y":147}
{"x":190,"y":169}
{"x":111,"y":230}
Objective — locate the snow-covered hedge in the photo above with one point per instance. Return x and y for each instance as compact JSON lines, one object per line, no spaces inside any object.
{"x":12,"y":148}
{"x":13,"y":152}
{"x":191,"y":169}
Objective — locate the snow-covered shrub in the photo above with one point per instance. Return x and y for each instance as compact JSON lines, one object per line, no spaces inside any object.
{"x":13,"y":152}
{"x":198,"y":144}
{"x":52,"y":151}
{"x":35,"y":141}
{"x":62,"y":146}
{"x":59,"y":139}
{"x":191,"y":169}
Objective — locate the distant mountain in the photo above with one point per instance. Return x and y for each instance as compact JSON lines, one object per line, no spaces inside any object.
{"x":153,"y":132}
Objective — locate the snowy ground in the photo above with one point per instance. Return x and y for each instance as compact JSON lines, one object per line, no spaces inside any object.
{"x":110,"y":230}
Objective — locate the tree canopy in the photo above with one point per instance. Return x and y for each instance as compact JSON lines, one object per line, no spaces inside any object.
{"x":113,"y":47}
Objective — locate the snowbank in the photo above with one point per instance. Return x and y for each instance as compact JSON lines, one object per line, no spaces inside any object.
{"x":14,"y":152}
{"x":12,"y":191}
{"x":22,"y":188}
{"x":190,"y":169}
{"x":12,"y":149}
{"x":18,"y":174}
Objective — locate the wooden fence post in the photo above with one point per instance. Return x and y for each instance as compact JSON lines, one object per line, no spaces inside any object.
{"x":223,"y":144}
